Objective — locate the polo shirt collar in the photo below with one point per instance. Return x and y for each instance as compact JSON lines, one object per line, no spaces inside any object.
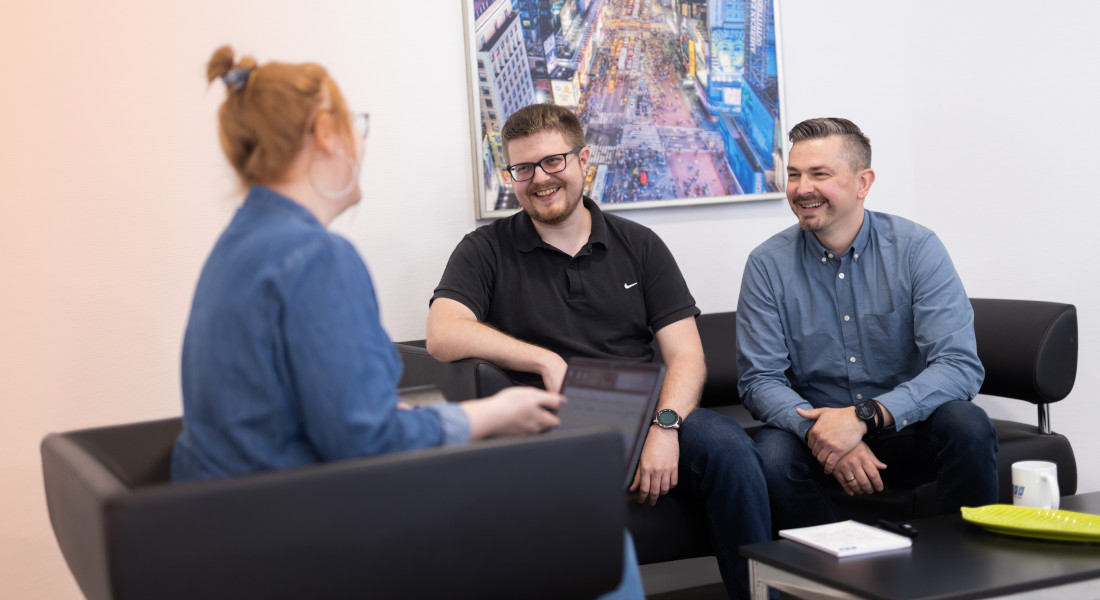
{"x":599,"y":223}
{"x":527,"y":237}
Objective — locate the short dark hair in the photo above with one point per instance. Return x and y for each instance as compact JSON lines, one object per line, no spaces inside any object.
{"x":537,"y":118}
{"x":856,"y":145}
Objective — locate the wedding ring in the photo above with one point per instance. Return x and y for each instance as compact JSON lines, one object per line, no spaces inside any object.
{"x":852,"y":478}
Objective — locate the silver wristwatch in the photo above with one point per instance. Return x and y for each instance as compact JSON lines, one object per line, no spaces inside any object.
{"x":667,"y":419}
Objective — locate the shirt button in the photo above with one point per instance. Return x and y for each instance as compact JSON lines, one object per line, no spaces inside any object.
{"x":823,"y":259}
{"x":831,"y":255}
{"x":859,"y":396}
{"x":847,"y":318}
{"x":856,"y":256}
{"x":841,"y":276}
{"x":905,"y":422}
{"x":852,"y":359}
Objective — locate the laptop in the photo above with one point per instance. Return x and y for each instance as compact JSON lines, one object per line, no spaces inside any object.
{"x":619,"y":394}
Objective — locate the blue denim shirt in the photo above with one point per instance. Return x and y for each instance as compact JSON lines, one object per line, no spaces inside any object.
{"x":285,"y":362}
{"x":888,"y":320}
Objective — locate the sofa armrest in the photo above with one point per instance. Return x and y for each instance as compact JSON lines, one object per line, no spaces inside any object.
{"x":718,"y":333}
{"x":1028,"y":348}
{"x":458,"y":380}
{"x":496,"y":519}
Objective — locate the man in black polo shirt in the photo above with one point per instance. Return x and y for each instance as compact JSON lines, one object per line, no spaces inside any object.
{"x":563,"y":279}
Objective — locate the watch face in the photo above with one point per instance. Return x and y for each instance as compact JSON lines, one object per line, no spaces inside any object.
{"x":865,"y":411}
{"x":666,"y":418}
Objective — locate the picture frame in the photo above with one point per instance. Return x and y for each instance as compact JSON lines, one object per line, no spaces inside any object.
{"x":681,"y":100}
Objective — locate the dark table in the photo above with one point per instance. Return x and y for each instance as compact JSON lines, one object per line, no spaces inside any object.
{"x":950,"y":559}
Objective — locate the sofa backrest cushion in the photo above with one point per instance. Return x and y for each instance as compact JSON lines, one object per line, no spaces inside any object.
{"x":1028,"y":348}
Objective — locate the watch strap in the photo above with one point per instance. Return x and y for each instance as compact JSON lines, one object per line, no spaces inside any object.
{"x":875,"y":422}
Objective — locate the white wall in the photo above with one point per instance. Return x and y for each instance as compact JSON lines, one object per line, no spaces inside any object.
{"x":114,"y":188}
{"x":1004,"y":102}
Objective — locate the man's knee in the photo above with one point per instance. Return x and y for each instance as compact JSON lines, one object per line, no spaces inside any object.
{"x":964,"y":428}
{"x":964,"y":418}
{"x":783,"y":454}
{"x":777,"y":445}
{"x":705,"y":430}
{"x":714,"y":438}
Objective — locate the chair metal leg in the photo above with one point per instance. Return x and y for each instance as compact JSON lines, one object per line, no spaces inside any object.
{"x":1044,"y":417}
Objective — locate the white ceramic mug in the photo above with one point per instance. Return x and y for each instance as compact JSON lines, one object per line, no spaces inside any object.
{"x":1035,"y":483}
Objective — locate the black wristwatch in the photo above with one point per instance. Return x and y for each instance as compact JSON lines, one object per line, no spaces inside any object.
{"x":870,"y":413}
{"x":667,"y":419}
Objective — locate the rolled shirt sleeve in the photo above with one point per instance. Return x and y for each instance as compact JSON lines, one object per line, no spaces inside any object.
{"x":456,"y":425}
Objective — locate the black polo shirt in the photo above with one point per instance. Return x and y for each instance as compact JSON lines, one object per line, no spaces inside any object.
{"x":605,"y":302}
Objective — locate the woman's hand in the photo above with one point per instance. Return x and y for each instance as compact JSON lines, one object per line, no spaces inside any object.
{"x":513,"y":411}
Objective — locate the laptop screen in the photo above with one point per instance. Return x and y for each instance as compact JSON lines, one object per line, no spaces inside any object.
{"x":617,"y":394}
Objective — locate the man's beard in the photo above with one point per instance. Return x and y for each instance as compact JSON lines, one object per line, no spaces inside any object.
{"x":816,"y":222}
{"x":552,"y":218}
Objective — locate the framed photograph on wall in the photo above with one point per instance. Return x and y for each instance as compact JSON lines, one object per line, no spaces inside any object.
{"x":681,"y":100}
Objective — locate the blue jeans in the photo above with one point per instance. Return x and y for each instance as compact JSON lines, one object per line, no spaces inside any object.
{"x":630,"y":587}
{"x":956,"y":447}
{"x":721,"y":469}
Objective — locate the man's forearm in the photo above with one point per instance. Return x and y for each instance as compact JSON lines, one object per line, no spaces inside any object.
{"x":453,"y":338}
{"x":776,"y":405}
{"x":943,"y":381}
{"x":683,"y":385}
{"x":686,"y":370}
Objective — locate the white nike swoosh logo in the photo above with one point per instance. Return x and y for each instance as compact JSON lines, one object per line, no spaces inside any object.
{"x":629,"y":285}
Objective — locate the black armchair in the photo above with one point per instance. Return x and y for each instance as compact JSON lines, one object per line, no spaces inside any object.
{"x":492,"y":519}
{"x":459,"y":380}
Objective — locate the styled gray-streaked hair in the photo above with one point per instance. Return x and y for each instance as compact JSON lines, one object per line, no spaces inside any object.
{"x":856,"y":145}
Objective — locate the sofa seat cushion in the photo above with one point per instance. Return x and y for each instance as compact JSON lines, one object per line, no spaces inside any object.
{"x":1021,"y":441}
{"x":675,"y":528}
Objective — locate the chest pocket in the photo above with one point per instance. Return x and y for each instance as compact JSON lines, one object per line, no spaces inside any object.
{"x":883,"y":335}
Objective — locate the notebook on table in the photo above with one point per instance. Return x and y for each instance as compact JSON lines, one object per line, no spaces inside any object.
{"x":847,"y":538}
{"x":619,"y":394}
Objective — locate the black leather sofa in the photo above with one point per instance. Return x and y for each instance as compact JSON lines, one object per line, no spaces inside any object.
{"x":1028,"y":348}
{"x":533,"y":517}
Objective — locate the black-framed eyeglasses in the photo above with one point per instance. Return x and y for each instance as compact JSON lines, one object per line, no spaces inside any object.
{"x":555,"y":163}
{"x":361,"y":122}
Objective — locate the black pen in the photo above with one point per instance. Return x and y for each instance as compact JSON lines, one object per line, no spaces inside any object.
{"x":906,"y":529}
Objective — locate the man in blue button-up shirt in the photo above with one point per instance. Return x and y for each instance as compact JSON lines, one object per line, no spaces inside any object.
{"x":856,"y":345}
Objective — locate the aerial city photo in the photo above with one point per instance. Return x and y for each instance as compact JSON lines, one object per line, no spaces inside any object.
{"x":679,"y":98}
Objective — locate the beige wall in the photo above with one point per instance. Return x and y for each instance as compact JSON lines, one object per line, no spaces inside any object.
{"x":113,"y":188}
